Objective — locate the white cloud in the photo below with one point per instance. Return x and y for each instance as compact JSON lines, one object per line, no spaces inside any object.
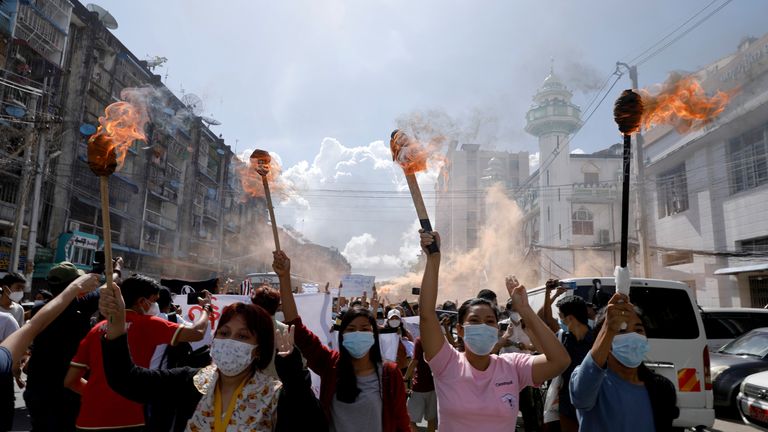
{"x":533,"y":161}
{"x":356,"y":199}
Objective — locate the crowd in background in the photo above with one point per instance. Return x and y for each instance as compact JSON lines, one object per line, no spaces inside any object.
{"x":123,"y":358}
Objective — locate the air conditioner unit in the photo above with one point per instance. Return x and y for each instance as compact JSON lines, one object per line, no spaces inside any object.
{"x":603,"y":237}
{"x":74,"y":226}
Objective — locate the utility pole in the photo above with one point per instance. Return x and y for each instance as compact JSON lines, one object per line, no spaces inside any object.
{"x":640,"y":200}
{"x":37,"y":189}
{"x":21,"y":202}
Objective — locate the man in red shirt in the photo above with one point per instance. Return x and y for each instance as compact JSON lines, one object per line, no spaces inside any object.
{"x":102,"y":408}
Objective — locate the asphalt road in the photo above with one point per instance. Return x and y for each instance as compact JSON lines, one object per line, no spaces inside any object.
{"x":21,"y":421}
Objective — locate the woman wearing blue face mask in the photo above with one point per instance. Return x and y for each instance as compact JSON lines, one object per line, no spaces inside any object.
{"x":612,"y":379}
{"x":477,"y":390}
{"x":358,"y":391}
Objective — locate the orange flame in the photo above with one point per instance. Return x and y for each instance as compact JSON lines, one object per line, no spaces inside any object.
{"x":121,"y":125}
{"x":413,"y":155}
{"x":682,"y":103}
{"x":252,"y":182}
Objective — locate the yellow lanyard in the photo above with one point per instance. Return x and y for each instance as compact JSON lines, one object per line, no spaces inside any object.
{"x":220,"y":424}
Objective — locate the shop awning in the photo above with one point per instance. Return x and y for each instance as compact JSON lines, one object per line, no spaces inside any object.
{"x":742,"y":269}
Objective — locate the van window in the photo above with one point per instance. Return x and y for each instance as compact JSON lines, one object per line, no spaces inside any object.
{"x":668,"y":312}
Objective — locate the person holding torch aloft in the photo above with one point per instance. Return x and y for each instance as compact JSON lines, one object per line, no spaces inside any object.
{"x":613,"y":381}
{"x":477,"y":390}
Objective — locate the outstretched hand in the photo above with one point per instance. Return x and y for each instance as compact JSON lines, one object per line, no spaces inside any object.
{"x":281,"y":264}
{"x":618,"y":311}
{"x":284,"y":342}
{"x":519,"y":297}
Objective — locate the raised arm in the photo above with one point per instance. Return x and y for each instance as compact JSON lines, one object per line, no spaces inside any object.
{"x":18,"y":342}
{"x":431,"y":337}
{"x":319,"y":357}
{"x":123,"y":376}
{"x":555,"y":358}
{"x":545,"y":313}
{"x":198,"y":329}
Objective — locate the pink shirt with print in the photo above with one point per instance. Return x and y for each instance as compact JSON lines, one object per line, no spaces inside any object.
{"x":469,"y":399}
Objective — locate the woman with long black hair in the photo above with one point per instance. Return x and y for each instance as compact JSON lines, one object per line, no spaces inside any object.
{"x":359,"y":391}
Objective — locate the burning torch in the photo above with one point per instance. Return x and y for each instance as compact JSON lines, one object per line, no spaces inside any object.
{"x":407,"y":153}
{"x":122,"y":124}
{"x":261,"y":162}
{"x":628,"y":113}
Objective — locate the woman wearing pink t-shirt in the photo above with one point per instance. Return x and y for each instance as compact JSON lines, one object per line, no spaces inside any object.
{"x":475,"y":389}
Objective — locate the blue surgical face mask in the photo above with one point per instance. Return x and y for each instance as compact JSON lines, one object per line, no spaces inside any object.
{"x":563,"y":325}
{"x":358,"y":343}
{"x":591,"y":323}
{"x":480,"y":338}
{"x":630,"y":349}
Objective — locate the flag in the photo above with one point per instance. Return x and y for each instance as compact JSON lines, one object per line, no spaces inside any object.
{"x":245,"y":287}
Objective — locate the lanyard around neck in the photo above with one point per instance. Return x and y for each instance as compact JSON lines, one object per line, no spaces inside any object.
{"x":220,"y":423}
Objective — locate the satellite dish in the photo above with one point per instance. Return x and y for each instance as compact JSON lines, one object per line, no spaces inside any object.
{"x":87,"y":129}
{"x":15,"y":111}
{"x":210,"y":120}
{"x":193,"y":102}
{"x":155,"y":61}
{"x":105,"y":17}
{"x":221,"y":152}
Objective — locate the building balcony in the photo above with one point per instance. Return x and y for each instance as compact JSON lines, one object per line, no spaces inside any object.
{"x":594,"y":192}
{"x":159,"y":220}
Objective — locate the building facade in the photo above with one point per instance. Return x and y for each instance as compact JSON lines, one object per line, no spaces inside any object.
{"x":571,"y":203}
{"x":460,"y":190}
{"x":176,"y":206}
{"x":709,"y":188}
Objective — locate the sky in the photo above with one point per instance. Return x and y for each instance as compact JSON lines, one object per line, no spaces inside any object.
{"x":321,"y":83}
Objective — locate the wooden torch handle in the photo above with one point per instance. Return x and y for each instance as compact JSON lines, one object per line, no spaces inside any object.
{"x":106,"y":231}
{"x":421,"y":209}
{"x":271,"y":209}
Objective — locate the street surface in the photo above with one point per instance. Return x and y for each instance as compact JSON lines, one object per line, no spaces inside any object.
{"x":21,"y":422}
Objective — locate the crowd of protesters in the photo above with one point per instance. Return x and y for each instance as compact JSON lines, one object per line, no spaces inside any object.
{"x":121,"y":358}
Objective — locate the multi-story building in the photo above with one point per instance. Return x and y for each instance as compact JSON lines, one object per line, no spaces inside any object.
{"x":176,"y":206}
{"x":709,"y":188}
{"x":33,"y":42}
{"x":571,"y":203}
{"x":460,"y":190}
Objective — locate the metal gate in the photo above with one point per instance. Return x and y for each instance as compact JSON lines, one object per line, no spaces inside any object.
{"x":758,"y":290}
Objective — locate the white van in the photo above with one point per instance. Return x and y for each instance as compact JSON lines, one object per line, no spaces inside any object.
{"x":675,"y":333}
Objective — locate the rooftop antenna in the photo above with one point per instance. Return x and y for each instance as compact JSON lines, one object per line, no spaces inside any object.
{"x":155,"y":61}
{"x":193,"y":103}
{"x":105,"y":17}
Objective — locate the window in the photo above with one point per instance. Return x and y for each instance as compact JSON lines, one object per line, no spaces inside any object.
{"x":676,"y":258}
{"x":82,"y":256}
{"x":672,"y":191}
{"x":758,"y":291}
{"x":748,"y":160}
{"x":583,"y":223}
{"x":759,"y":244}
{"x":591,"y":178}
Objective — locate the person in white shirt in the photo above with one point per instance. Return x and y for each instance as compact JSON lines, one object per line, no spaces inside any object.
{"x":12,"y":291}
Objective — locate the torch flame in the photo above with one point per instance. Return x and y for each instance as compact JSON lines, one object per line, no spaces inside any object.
{"x":252,"y":182}
{"x":121,"y":125}
{"x":413,"y":155}
{"x":682,"y":103}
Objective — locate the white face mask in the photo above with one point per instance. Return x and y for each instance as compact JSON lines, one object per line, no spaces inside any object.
{"x":514,"y":316}
{"x":230,"y":356}
{"x":16,"y":296}
{"x":154,"y":310}
{"x":279,"y":316}
{"x":394,"y":323}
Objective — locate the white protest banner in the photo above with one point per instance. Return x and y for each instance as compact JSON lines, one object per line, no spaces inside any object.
{"x":388,"y":344}
{"x":310,"y":288}
{"x":354,"y":285}
{"x":412,"y":325}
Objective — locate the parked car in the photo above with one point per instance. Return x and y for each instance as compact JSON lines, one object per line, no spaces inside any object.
{"x":675,"y":333}
{"x":744,"y":356}
{"x":753,"y":400}
{"x":724,"y":325}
